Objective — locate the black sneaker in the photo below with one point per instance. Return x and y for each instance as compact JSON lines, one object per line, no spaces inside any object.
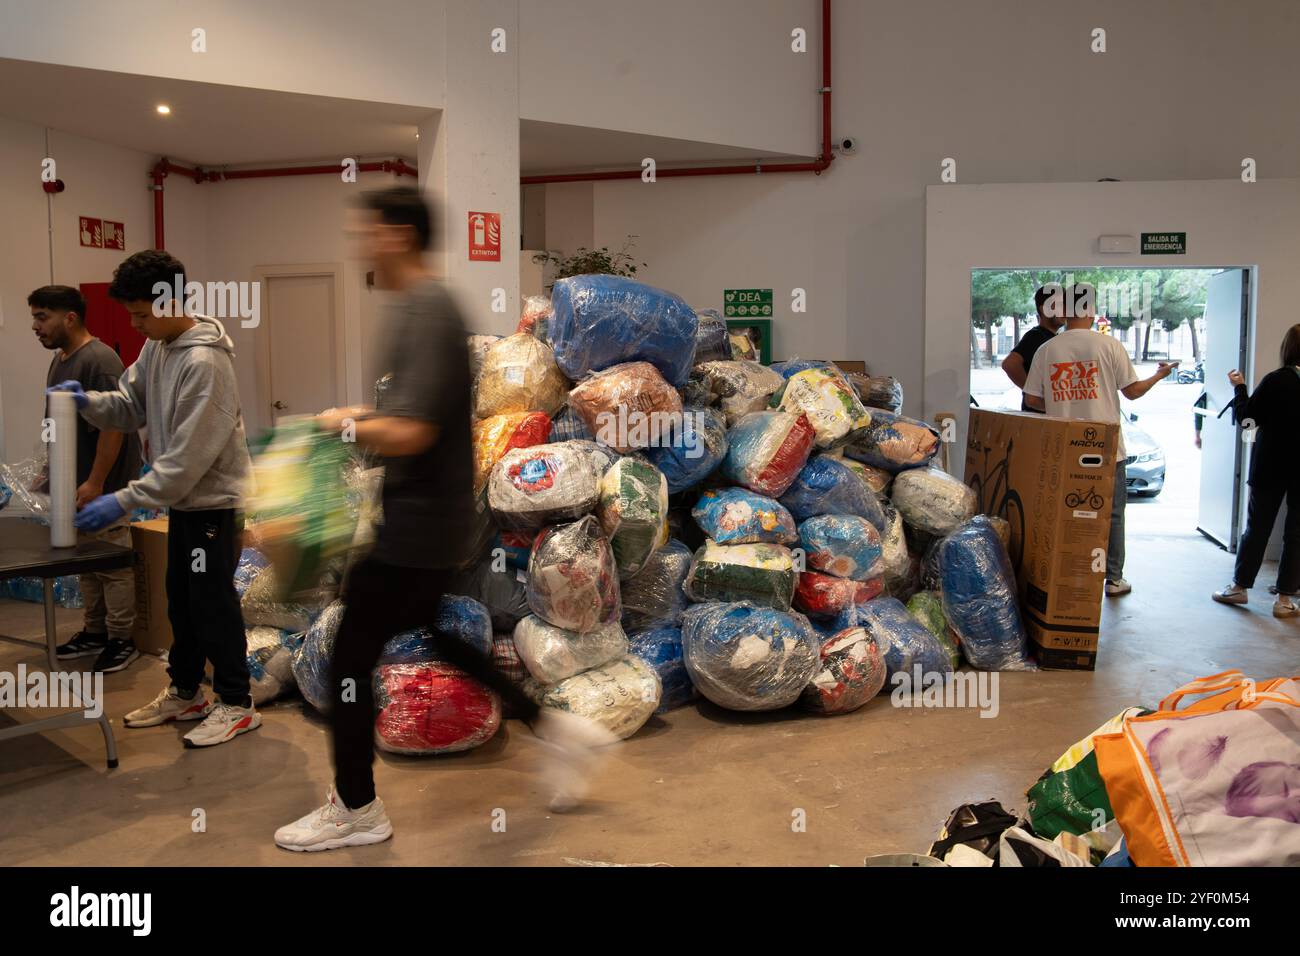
{"x":116,"y":657}
{"x":83,"y":644}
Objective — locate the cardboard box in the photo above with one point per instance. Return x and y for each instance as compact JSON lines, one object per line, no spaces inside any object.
{"x":1053,"y":480}
{"x":153,"y":630}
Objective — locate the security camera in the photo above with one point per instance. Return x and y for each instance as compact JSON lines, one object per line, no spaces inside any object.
{"x":848,"y":144}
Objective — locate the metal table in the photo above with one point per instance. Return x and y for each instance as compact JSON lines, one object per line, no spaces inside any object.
{"x":25,"y":552}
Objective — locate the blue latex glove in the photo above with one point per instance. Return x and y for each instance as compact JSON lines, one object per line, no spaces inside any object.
{"x":73,"y":386}
{"x":100,"y":513}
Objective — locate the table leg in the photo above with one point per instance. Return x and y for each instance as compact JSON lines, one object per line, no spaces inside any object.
{"x":110,"y":745}
{"x":51,"y":635}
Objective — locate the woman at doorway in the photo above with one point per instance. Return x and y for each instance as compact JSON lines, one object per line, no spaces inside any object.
{"x":1273,"y":413}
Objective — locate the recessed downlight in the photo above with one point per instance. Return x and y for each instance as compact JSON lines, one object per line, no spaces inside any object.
{"x":164,"y":109}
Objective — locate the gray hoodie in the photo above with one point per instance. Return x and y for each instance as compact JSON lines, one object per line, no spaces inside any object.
{"x":185,"y":391}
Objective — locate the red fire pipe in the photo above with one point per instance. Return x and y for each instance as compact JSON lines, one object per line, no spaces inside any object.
{"x":757,"y":167}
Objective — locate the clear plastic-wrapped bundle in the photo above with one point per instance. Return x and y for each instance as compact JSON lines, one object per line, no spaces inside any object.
{"x":260,"y":607}
{"x":738,"y":387}
{"x":761,"y":573}
{"x":743,"y":347}
{"x":826,"y":398}
{"x":827,"y":486}
{"x":980,"y":600}
{"x":519,"y":374}
{"x":532,"y":487}
{"x":535,"y":316}
{"x":737,"y":516}
{"x":620,"y":696}
{"x":927,"y":607}
{"x":495,"y":436}
{"x":67,"y":590}
{"x":932,"y":500}
{"x":711,"y":343}
{"x":602,"y":320}
{"x":767,"y":451}
{"x":551,"y":653}
{"x":633,"y":511}
{"x":850,"y":673}
{"x":568,"y":425}
{"x":791,"y":367}
{"x":904,"y":641}
{"x":824,"y":595}
{"x":628,"y":406}
{"x":693,"y":451}
{"x":270,"y":662}
{"x":459,"y":617}
{"x":878,"y":391}
{"x":602,"y":458}
{"x":250,"y":565}
{"x":501,"y":592}
{"x":893,"y":442}
{"x":893,"y":549}
{"x":311,"y":663}
{"x":654,"y":594}
{"x":745,"y":657}
{"x":661,"y":648}
{"x":432,"y":708}
{"x":876,"y":479}
{"x":478,"y":349}
{"x":299,"y":503}
{"x":843,"y":545}
{"x":572,"y":579}
{"x":22,"y":478}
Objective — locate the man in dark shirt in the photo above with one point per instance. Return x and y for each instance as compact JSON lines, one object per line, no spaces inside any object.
{"x":1051,"y":316}
{"x":421,"y":430}
{"x":106,"y":462}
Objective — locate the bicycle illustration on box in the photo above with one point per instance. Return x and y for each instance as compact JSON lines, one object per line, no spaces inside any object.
{"x":1076,"y":498}
{"x":995,"y":496}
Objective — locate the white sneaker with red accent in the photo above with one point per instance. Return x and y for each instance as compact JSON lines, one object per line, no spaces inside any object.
{"x":334,"y":826}
{"x":226,"y":722}
{"x":169,"y":705}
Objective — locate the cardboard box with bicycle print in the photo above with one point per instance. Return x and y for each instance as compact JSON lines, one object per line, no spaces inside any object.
{"x":1053,"y":480}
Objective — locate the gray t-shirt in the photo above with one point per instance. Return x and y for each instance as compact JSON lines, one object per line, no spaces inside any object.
{"x":97,"y":368}
{"x":428,"y":498}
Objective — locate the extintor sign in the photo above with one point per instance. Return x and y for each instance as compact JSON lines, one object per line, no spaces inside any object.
{"x":484,"y":237}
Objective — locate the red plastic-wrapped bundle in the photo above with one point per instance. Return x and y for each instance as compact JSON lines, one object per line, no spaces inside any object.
{"x":495,"y":436}
{"x":851,"y":672}
{"x":432,"y":708}
{"x":767,"y":451}
{"x":823,"y":595}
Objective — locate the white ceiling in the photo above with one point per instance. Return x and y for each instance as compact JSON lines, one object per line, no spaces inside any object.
{"x":212,"y":125}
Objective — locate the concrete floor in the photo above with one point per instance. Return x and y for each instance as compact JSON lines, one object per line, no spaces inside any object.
{"x":699,"y":786}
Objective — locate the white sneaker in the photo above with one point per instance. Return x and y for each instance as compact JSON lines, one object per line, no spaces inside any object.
{"x":334,"y":826}
{"x":1283,"y":607}
{"x":225,"y":722}
{"x":1117,"y":587}
{"x":1232,"y":594}
{"x":577,"y":745}
{"x":169,"y":705}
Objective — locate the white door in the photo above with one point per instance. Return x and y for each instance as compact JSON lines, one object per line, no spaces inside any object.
{"x":1227,"y":303}
{"x":299,"y":318}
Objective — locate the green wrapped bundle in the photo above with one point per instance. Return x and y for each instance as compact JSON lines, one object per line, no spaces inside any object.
{"x":299,"y":505}
{"x":761,"y":573}
{"x":633,"y":511}
{"x":927,"y":607}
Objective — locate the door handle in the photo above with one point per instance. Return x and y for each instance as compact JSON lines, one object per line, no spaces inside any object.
{"x":279,"y":406}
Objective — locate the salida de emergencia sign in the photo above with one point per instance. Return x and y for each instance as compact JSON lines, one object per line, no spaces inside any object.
{"x":1164,"y":243}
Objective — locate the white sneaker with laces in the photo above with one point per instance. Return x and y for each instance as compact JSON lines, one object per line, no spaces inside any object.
{"x":1117,"y":587}
{"x":225,"y":722}
{"x":1232,"y":594}
{"x":1283,"y":607}
{"x":169,"y":705}
{"x":334,"y":826}
{"x":578,"y":746}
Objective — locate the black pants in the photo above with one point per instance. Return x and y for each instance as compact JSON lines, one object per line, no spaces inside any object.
{"x":202,"y":552}
{"x":384,"y":600}
{"x":1261,"y":513}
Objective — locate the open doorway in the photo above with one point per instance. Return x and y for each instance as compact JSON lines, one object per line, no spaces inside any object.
{"x":1159,"y":315}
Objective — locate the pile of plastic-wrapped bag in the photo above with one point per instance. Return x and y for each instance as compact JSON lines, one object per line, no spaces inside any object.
{"x":660,"y":519}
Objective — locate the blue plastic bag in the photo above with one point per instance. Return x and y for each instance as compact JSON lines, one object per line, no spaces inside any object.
{"x":745,"y":657}
{"x":980,"y":598}
{"x":846,"y":546}
{"x":737,"y":516}
{"x":711,"y":341}
{"x":661,"y":648}
{"x":311,"y":663}
{"x":827,"y":486}
{"x":602,"y":320}
{"x":250,"y":563}
{"x":460,"y":617}
{"x":695,"y":450}
{"x":893,"y":442}
{"x":795,"y":366}
{"x":902,"y":639}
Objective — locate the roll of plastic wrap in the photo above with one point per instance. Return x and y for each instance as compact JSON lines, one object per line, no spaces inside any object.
{"x":63,"y":470}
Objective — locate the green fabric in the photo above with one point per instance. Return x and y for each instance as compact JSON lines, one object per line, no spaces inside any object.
{"x":1064,"y":802}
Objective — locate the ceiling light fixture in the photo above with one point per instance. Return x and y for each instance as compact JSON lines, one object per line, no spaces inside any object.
{"x":164,"y":109}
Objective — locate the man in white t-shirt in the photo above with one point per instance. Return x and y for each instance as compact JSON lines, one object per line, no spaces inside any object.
{"x":1080,"y":374}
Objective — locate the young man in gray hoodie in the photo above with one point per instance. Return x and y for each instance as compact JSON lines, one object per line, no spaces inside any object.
{"x":183,"y":388}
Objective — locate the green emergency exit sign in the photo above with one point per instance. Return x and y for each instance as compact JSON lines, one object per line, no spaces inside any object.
{"x":1164,"y":243}
{"x":743,"y":303}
